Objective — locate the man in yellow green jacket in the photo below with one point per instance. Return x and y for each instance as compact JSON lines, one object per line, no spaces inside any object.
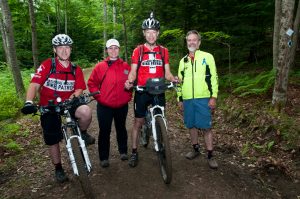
{"x":197,"y":95}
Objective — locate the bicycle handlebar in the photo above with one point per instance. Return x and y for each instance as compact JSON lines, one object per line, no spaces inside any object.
{"x":168,"y":85}
{"x":67,"y":104}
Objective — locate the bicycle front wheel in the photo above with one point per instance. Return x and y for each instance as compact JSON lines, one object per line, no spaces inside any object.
{"x":82,"y":171}
{"x":164,"y":152}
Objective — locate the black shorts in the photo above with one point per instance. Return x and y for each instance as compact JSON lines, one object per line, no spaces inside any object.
{"x":142,"y":100}
{"x":51,"y":124}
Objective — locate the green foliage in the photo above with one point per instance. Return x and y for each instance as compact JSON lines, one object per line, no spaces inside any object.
{"x":264,"y":148}
{"x":248,"y":83}
{"x":10,"y":104}
{"x":249,"y":25}
{"x":7,"y":135}
{"x":175,"y":33}
{"x":84,"y":63}
{"x":257,"y":85}
{"x":289,"y":129}
{"x":245,"y":149}
{"x":12,"y":145}
{"x":220,"y":37}
{"x":9,"y":101}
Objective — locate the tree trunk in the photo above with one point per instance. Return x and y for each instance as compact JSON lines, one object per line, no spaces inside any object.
{"x":66,"y":18}
{"x":124,"y":30}
{"x":4,"y":43}
{"x":277,"y":17}
{"x":8,"y":29}
{"x":295,"y":35}
{"x":284,"y":61}
{"x":104,"y":27}
{"x":57,"y":9}
{"x":33,"y":35}
{"x":114,"y":18}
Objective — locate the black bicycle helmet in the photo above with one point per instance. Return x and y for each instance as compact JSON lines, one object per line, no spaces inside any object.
{"x":150,"y":23}
{"x":62,"y":40}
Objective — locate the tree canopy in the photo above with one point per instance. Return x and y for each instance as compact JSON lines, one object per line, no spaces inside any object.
{"x":247,"y":25}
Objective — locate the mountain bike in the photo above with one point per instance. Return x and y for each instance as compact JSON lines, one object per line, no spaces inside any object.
{"x":75,"y":145}
{"x":156,"y":126}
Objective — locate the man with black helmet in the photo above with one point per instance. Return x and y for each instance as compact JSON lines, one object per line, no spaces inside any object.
{"x":58,"y":77}
{"x":149,"y":60}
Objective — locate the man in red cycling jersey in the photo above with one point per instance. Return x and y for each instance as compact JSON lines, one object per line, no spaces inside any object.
{"x":58,"y":77}
{"x":149,"y":60}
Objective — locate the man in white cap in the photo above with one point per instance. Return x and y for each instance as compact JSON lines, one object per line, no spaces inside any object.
{"x":109,"y":77}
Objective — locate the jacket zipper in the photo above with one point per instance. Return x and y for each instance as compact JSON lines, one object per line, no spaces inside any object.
{"x":192,"y":61}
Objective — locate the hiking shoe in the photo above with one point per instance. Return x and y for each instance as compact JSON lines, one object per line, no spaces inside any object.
{"x":212,"y":163}
{"x":192,"y":154}
{"x":88,"y":139}
{"x":104,"y":163}
{"x":60,"y":175}
{"x":133,"y":161}
{"x":123,"y":156}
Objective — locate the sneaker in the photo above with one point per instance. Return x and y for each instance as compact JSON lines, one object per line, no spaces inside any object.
{"x":192,"y":154}
{"x":124,"y":156}
{"x":104,"y":163}
{"x":88,"y":138}
{"x":60,"y":175}
{"x":133,"y":161}
{"x":212,"y":163}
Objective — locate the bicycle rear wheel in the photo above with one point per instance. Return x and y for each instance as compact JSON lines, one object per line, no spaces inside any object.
{"x":82,"y":171}
{"x":164,"y":153}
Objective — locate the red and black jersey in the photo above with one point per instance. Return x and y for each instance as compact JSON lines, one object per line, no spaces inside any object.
{"x":61,"y":84}
{"x":152,"y":65}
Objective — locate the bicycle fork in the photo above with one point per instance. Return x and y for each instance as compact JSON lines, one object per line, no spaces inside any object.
{"x":83,"y":150}
{"x":153,"y":116}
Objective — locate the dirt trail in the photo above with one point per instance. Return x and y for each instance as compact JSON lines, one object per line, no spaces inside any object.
{"x":191,"y":179}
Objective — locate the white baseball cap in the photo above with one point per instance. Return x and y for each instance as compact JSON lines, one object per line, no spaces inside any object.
{"x":112,"y":42}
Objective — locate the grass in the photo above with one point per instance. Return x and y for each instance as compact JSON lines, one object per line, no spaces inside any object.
{"x":10,"y":106}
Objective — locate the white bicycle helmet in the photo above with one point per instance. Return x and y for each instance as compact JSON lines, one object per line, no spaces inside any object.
{"x":62,"y":40}
{"x":150,"y":23}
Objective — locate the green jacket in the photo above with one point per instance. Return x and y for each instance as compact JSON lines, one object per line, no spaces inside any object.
{"x":199,"y":77}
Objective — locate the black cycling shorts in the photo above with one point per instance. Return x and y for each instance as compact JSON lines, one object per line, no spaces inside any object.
{"x":51,"y":124}
{"x":142,"y":100}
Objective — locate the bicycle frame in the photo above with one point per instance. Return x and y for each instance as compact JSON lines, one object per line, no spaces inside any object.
{"x":71,"y":123}
{"x":155,"y":119}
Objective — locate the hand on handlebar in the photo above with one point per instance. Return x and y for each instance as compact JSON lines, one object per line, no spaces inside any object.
{"x":176,"y":80}
{"x":29,"y":108}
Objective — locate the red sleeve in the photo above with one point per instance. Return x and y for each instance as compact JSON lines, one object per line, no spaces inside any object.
{"x":94,"y":81}
{"x":42,"y":72}
{"x":166,"y":56}
{"x":79,"y":81}
{"x":135,"y":56}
